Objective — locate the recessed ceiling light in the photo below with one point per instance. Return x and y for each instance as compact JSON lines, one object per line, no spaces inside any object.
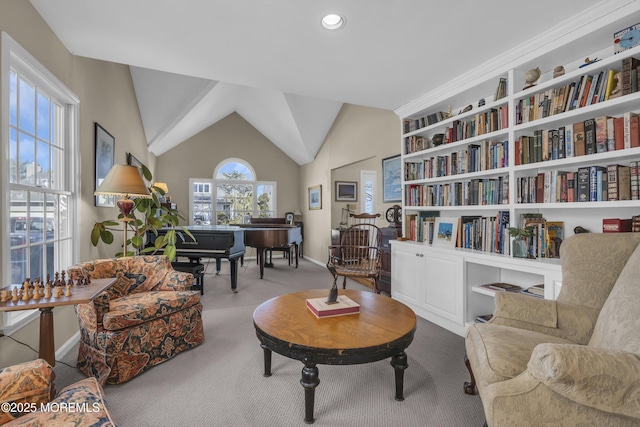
{"x":333,"y":22}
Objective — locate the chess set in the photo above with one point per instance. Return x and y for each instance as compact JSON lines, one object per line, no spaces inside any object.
{"x":36,"y":290}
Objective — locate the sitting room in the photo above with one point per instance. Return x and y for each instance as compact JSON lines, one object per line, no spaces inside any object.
{"x":283,"y":214}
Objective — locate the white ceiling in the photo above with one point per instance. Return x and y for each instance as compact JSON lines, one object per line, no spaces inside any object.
{"x":193,"y":62}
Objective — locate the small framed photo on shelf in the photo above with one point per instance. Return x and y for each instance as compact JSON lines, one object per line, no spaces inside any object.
{"x":346,"y":191}
{"x":315,"y":197}
{"x":446,"y":232}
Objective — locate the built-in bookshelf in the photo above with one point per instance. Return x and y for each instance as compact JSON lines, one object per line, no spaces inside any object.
{"x":491,"y":151}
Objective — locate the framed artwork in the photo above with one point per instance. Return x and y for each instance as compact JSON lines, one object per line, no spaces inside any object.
{"x":105,"y":152}
{"x":391,"y":179}
{"x":346,"y":191}
{"x":315,"y":197}
{"x":446,"y":232}
{"x":288,"y":217}
{"x":132,"y":161}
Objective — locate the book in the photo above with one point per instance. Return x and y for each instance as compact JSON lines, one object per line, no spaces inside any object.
{"x":601,"y":134}
{"x":537,"y":290}
{"x":583,"y":185}
{"x":590,"y":136}
{"x":616,"y":225}
{"x":344,"y":306}
{"x":484,"y":318}
{"x":618,"y":133}
{"x":578,"y":139}
{"x":501,"y":287}
{"x":555,"y":236}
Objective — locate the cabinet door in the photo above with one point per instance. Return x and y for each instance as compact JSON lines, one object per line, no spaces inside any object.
{"x":443,"y":286}
{"x":407,"y":272}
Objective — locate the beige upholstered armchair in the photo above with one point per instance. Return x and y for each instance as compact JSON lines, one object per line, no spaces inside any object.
{"x":573,"y":361}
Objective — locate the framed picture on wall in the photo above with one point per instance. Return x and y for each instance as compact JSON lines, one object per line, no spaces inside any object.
{"x":133,"y":161}
{"x":391,"y":179}
{"x":346,"y":191}
{"x":105,"y":152}
{"x":315,"y":197}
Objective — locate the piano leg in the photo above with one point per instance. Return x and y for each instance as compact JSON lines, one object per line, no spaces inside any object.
{"x":233,"y":262}
{"x":218,"y":265}
{"x":269,"y":264}
{"x":295,"y":249}
{"x":261,"y":256}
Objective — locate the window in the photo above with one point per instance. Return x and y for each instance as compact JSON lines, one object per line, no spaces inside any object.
{"x":368,"y":198}
{"x":39,"y":126}
{"x":238,"y":195}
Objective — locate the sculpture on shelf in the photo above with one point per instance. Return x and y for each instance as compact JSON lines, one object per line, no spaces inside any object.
{"x":558,"y":71}
{"x":531,"y":77}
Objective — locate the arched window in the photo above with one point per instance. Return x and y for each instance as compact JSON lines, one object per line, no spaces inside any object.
{"x":233,"y":196}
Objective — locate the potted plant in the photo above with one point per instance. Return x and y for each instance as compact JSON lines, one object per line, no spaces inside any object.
{"x":151,"y":216}
{"x":520,"y":241}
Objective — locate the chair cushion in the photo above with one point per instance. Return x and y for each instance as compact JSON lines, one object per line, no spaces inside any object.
{"x":142,"y":307}
{"x":81,"y":403}
{"x":502,"y":351}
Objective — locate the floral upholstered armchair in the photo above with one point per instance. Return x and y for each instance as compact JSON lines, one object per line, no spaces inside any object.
{"x":573,"y":361}
{"x":27,"y":399}
{"x":146,"y":317}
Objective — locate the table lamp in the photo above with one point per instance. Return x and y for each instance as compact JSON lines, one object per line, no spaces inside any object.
{"x":163,"y":186}
{"x":126,"y":181}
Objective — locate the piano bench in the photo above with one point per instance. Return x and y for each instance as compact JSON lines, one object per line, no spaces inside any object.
{"x":196,"y":269}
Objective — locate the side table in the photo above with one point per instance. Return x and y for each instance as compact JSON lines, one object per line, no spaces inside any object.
{"x":79,"y":295}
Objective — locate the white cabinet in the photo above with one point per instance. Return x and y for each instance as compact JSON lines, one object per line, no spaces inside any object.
{"x":443,"y":285}
{"x":430,"y":282}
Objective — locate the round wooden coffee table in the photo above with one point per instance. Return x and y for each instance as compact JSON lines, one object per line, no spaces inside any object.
{"x":383,"y":328}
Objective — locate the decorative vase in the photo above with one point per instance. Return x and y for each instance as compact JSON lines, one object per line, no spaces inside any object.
{"x":519,"y":247}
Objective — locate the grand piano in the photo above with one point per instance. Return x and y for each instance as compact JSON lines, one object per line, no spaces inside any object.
{"x":271,"y":233}
{"x":212,"y":241}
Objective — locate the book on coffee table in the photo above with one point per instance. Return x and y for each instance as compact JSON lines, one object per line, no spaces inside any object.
{"x":344,"y":305}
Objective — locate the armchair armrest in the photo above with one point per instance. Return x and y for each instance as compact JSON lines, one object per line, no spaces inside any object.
{"x":175,"y":281}
{"x":596,"y":377}
{"x":29,"y":382}
{"x":527,"y":309}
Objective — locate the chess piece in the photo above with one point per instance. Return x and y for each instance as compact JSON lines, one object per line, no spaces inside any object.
{"x":57,"y":291}
{"x":15,"y":296}
{"x":47,"y":291}
{"x":3,"y":296}
{"x":67,"y":292}
{"x":36,"y":291}
{"x":25,"y":294}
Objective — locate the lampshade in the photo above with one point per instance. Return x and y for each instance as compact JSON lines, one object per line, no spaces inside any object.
{"x":123,"y":180}
{"x":162,"y":185}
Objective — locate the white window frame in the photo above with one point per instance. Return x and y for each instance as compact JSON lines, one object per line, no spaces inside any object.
{"x":364,"y":177}
{"x":15,"y":56}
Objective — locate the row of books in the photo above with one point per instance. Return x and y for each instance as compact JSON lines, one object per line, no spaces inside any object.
{"x":535,"y":290}
{"x":487,"y":234}
{"x":419,"y":227}
{"x":587,"y":90}
{"x":587,"y":184}
{"x":473,"y":158}
{"x":547,"y":235}
{"x":474,"y":192}
{"x":482,"y":123}
{"x":595,"y":135}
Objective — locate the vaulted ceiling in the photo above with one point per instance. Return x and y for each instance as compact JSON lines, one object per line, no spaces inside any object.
{"x":193,"y":62}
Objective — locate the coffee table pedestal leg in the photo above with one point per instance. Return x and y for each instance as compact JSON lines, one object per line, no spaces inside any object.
{"x":267,"y":360}
{"x":47,"y":348}
{"x":399,"y":363}
{"x":309,"y":381}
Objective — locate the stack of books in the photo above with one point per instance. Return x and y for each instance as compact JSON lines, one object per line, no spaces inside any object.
{"x":344,"y":305}
{"x":499,"y":286}
{"x":484,"y":318}
{"x":536,"y":290}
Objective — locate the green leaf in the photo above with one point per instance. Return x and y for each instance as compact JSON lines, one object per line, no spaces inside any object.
{"x":146,"y":173}
{"x":170,"y":251}
{"x":95,"y":235}
{"x":160,"y":242}
{"x":106,"y":236}
{"x":137,"y":241}
{"x":110,"y":223}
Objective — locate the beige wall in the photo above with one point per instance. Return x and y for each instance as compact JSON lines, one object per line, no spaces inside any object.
{"x":232,"y":136}
{"x":359,"y":139}
{"x":106,"y":96}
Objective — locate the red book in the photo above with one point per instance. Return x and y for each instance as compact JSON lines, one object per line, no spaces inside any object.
{"x":616,"y":225}
{"x":618,"y":132}
{"x":344,"y":305}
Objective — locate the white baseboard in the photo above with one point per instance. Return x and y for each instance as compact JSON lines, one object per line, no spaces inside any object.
{"x":67,"y":346}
